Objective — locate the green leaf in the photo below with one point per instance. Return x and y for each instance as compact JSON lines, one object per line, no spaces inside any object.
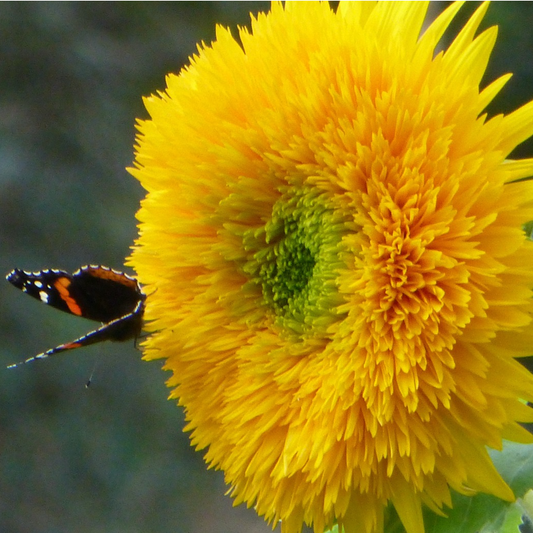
{"x":526,"y":505}
{"x":515,"y":464}
{"x":528,"y":228}
{"x":484,"y":513}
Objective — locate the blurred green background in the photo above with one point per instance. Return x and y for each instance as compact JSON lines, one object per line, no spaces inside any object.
{"x":111,"y":458}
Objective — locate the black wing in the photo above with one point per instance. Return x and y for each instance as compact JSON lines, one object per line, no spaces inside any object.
{"x":94,"y":292}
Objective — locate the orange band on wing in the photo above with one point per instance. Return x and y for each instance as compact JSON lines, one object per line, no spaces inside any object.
{"x":62,"y":284}
{"x":70,"y":345}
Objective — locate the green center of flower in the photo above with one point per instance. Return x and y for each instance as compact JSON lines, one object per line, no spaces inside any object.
{"x":296,"y":258}
{"x":287,"y":266}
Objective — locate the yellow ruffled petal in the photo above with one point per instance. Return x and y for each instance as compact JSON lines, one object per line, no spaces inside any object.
{"x":491,"y":91}
{"x":517,"y":127}
{"x":337,"y":277}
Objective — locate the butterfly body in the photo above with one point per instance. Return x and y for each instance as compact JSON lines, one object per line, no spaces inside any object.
{"x":94,"y":292}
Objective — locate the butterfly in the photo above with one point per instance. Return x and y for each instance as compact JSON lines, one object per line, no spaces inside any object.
{"x":95,"y":292}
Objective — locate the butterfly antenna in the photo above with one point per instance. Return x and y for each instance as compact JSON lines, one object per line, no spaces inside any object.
{"x":90,"y":380}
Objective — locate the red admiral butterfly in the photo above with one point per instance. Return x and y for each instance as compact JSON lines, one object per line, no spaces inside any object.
{"x":94,"y":292}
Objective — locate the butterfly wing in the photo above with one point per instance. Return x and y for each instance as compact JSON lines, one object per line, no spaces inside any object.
{"x":48,"y":286}
{"x":94,"y":292}
{"x":120,"y":329}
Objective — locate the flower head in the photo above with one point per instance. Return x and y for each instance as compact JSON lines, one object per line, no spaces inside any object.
{"x":336,"y":271}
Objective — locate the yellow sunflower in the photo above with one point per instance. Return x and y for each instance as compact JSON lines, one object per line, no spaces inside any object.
{"x":336,"y":271}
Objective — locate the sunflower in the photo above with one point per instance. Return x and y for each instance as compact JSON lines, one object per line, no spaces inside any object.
{"x":336,"y":270}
